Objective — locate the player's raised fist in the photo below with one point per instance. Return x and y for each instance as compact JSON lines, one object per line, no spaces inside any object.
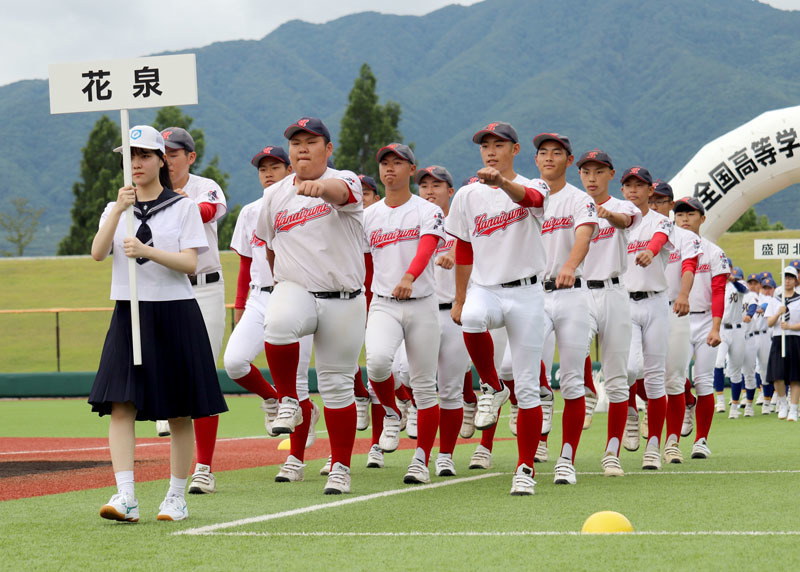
{"x":644,"y":258}
{"x":403,"y":289}
{"x":446,"y":261}
{"x":603,"y":212}
{"x":125,"y":198}
{"x":310,"y":189}
{"x":490,"y":176}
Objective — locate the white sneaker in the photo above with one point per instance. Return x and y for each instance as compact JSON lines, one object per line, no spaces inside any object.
{"x":766,"y":408}
{"x":564,"y":472}
{"x":289,"y":416}
{"x":375,"y":457}
{"x":688,"y":421}
{"x":270,"y":409}
{"x":720,"y":405}
{"x":734,"y":411}
{"x":591,"y":403}
{"x":611,"y":465}
{"x":512,"y":419}
{"x":326,"y":468}
{"x":783,"y":408}
{"x":489,"y":404}
{"x":203,"y":481}
{"x":291,"y":471}
{"x":122,"y":508}
{"x":162,"y":428}
{"x":541,"y":455}
{"x":672,"y":453}
{"x":411,"y":424}
{"x":522,"y":484}
{"x":651,"y":460}
{"x":774,"y":400}
{"x":445,"y":467}
{"x":748,"y":410}
{"x":630,"y":439}
{"x":760,"y":399}
{"x":403,"y":405}
{"x":173,"y":508}
{"x":792,"y":416}
{"x":338,"y":480}
{"x":547,"y":413}
{"x":362,"y":413}
{"x":390,"y":436}
{"x":481,"y":458}
{"x":312,"y":427}
{"x":700,"y":449}
{"x":468,"y":423}
{"x":417,"y":474}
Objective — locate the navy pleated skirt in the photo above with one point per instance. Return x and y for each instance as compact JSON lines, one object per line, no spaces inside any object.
{"x":784,"y":368}
{"x":178,"y":376}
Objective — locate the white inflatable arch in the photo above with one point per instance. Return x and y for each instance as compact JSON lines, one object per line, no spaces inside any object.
{"x":744,"y":166}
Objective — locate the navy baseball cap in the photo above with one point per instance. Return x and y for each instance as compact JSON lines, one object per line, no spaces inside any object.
{"x":178,"y":138}
{"x":402,"y":151}
{"x":753,"y":278}
{"x":795,"y":263}
{"x":275,"y":152}
{"x":596,"y":156}
{"x":435,"y":171}
{"x":313,"y":125}
{"x":470,"y":180}
{"x":765,"y":274}
{"x":563,"y":139}
{"x":663,"y":188}
{"x":768,"y":283}
{"x":689,"y":204}
{"x":367,"y":181}
{"x":639,"y":172}
{"x":498,"y":129}
{"x":738,"y":273}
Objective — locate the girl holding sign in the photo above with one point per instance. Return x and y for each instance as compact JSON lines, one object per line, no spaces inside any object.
{"x":177,"y":379}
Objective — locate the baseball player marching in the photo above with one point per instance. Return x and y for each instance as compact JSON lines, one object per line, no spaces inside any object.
{"x":313,"y":223}
{"x":731,"y":351}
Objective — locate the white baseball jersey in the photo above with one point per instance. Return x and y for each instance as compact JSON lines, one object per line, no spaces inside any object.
{"x":203,"y":190}
{"x":793,"y":305}
{"x":392,"y":235}
{"x":506,"y":237}
{"x":317,"y":245}
{"x":686,"y":245}
{"x":245,"y":243}
{"x":733,"y":305}
{"x":712,"y":262}
{"x":650,"y":278}
{"x":608,"y":251}
{"x":749,"y":299}
{"x":175,"y":228}
{"x":445,"y":279}
{"x":566,"y":210}
{"x":761,"y":319}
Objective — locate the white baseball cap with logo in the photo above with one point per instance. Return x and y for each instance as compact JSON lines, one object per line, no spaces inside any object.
{"x":790,"y":271}
{"x":145,"y":137}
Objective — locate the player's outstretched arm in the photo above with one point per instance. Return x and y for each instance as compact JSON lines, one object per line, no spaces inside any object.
{"x":333,"y":191}
{"x":681,"y":305}
{"x":583,"y":236}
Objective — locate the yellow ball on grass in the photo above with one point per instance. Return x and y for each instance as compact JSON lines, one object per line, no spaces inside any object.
{"x":606,"y":522}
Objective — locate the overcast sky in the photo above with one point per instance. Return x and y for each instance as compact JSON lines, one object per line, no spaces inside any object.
{"x":35,"y":33}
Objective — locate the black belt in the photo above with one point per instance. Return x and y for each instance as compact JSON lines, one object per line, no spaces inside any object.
{"x":703,"y":312}
{"x":763,"y":331}
{"x":755,"y":333}
{"x":211,"y":277}
{"x":340,"y":295}
{"x":550,"y":285}
{"x":730,"y":326}
{"x":636,"y":296}
{"x":521,"y":282}
{"x":266,"y":288}
{"x":593,"y":284}
{"x":448,"y":306}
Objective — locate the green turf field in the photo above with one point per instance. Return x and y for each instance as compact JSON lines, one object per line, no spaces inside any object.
{"x":736,"y":511}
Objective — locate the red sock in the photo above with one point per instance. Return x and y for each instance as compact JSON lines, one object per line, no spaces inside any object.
{"x":676,"y":405}
{"x":378,"y":413}
{"x":632,"y":391}
{"x":704,"y":413}
{"x":543,"y":377}
{"x":449,"y":425}
{"x":572,"y":423}
{"x":656,"y":414}
{"x":469,"y":392}
{"x":617,"y":417}
{"x":481,"y":350}
{"x":509,"y":383}
{"x":588,"y":378}
{"x":341,"y":424}
{"x":205,"y":438}
{"x":254,"y":382}
{"x":529,"y":428}
{"x":283,"y":362}
{"x":297,"y":440}
{"x":402,"y":393}
{"x":427,"y":426}
{"x":385,"y":392}
{"x":487,"y":435}
{"x":358,"y":385}
{"x":641,"y":390}
{"x":687,"y":392}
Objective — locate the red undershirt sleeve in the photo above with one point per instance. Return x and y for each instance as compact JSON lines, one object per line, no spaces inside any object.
{"x":659,"y":239}
{"x":368,"y":278}
{"x":207,"y":211}
{"x":243,"y":283}
{"x":463,"y":252}
{"x":689,"y":265}
{"x":533,"y":198}
{"x":718,"y":283}
{"x":425,"y":249}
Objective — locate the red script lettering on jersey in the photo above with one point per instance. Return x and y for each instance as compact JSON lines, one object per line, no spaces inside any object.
{"x":557,"y":223}
{"x":637,"y":245}
{"x":485,"y":226}
{"x":607,"y":232}
{"x":380,"y":239}
{"x":256,"y":242}
{"x":285,"y":222}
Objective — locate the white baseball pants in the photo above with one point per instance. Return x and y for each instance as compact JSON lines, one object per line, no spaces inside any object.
{"x":648,"y":355}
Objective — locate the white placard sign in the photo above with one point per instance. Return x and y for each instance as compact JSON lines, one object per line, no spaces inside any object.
{"x":776,"y":249}
{"x":123,"y":84}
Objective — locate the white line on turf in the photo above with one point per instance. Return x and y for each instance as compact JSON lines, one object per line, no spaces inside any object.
{"x":313,"y":508}
{"x":105,"y":448}
{"x":513,"y":533}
